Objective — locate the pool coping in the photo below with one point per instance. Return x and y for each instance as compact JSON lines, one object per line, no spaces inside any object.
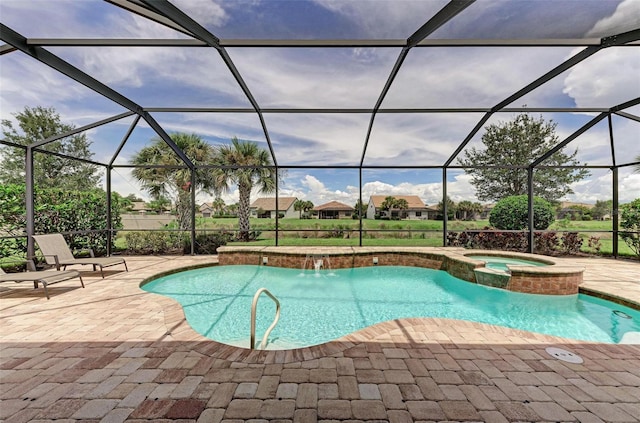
{"x":371,"y":333}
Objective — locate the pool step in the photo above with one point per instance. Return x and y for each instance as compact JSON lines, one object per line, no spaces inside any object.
{"x":492,"y":277}
{"x":630,"y":338}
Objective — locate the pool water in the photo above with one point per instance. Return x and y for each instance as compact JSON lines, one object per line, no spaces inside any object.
{"x":500,"y":263}
{"x":319,"y":306}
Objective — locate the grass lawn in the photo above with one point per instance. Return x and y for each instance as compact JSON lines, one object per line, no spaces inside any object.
{"x":344,"y":232}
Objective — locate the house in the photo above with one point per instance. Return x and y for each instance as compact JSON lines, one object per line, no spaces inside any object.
{"x":139,"y":207}
{"x":206,"y":210}
{"x":416,"y":209}
{"x":432,"y":212}
{"x":266,"y":207}
{"x":571,"y":210}
{"x":334,"y":210}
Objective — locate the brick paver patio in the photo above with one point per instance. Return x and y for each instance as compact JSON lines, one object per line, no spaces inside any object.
{"x":113,"y":353}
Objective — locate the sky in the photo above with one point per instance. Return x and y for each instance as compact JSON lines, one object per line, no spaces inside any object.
{"x":460,"y":77}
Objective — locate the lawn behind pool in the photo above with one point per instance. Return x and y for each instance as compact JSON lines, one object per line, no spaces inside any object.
{"x":344,"y":232}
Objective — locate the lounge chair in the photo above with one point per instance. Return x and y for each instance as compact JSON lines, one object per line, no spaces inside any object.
{"x":45,"y":277}
{"x":57,"y":253}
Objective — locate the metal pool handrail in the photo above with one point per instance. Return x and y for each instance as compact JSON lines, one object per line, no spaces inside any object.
{"x":253,"y":318}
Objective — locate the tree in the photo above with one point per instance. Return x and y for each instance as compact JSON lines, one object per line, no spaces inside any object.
{"x":248,"y":166}
{"x":218,"y":206}
{"x":519,"y":143}
{"x":636,"y":167}
{"x":81,"y":214}
{"x":602,"y":209}
{"x":308,"y":205}
{"x":360,"y":208}
{"x":160,"y":204}
{"x":451,"y":209}
{"x":37,"y":124}
{"x":512,"y":213}
{"x":298,"y":206}
{"x":392,"y":203}
{"x":630,"y":224}
{"x":174,"y":182}
{"x":466,"y":210}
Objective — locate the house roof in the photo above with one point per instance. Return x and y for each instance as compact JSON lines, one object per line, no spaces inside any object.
{"x":139,"y":206}
{"x":570,"y":204}
{"x":269,"y":203}
{"x":333,"y":205}
{"x":413,"y":201}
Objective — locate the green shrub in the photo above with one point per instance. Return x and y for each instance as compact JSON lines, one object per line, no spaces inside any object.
{"x":208,"y":243}
{"x":571,"y":242}
{"x":512,"y":213}
{"x":56,"y":211}
{"x":630,"y":224}
{"x":154,"y":242}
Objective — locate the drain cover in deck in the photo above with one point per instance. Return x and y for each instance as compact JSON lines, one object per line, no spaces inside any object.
{"x":564,"y":355}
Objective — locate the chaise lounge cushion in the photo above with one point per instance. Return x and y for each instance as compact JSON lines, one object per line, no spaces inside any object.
{"x":57,"y":253}
{"x":45,"y":277}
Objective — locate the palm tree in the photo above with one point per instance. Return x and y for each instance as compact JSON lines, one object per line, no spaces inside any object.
{"x":218,"y":205}
{"x":299,"y":206}
{"x":174,"y":183}
{"x":246,"y":165}
{"x":307,"y":206}
{"x":466,"y":210}
{"x":636,"y":167}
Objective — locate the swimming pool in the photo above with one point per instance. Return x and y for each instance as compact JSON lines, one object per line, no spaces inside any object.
{"x":500,"y":263}
{"x":321,"y":306}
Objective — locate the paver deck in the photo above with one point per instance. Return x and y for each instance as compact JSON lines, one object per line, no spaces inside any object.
{"x":112,"y":353}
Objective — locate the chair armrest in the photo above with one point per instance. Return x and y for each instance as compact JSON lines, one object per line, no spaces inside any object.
{"x":55,"y":258}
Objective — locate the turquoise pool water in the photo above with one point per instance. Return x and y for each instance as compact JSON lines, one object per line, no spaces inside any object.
{"x":321,"y":306}
{"x":500,"y":263}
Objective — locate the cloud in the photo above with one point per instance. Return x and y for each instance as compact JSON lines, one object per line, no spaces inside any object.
{"x":206,"y":12}
{"x":600,"y":187}
{"x":625,"y":18}
{"x":608,"y":78}
{"x":380,"y":19}
{"x":335,"y":78}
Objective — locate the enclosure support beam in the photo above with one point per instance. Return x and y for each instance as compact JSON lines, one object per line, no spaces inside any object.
{"x":614,"y":214}
{"x":445,"y":208}
{"x":530,"y":220}
{"x":611,"y":141}
{"x":360,"y":206}
{"x":109,"y":222}
{"x":81,"y":129}
{"x":628,"y":116}
{"x":193,"y":211}
{"x":140,"y":9}
{"x":277,"y":210}
{"x":29,"y":200}
{"x":570,"y":138}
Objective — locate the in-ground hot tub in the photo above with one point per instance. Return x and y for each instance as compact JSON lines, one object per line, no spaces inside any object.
{"x":528,"y":273}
